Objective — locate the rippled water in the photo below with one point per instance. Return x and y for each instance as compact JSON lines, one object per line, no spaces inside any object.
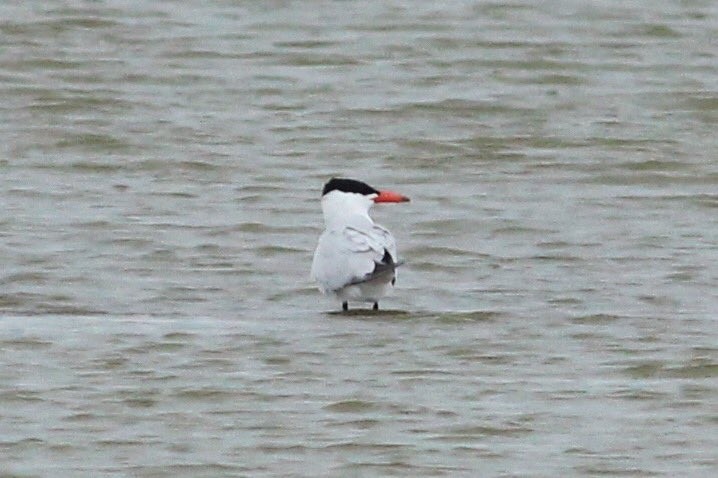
{"x":161,"y":164}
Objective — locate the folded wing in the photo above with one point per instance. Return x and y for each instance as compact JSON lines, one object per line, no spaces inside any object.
{"x":353,"y":255}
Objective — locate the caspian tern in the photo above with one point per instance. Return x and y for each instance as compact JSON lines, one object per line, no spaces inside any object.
{"x":355,"y":258}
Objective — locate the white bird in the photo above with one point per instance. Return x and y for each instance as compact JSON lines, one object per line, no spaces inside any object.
{"x":355,"y":258}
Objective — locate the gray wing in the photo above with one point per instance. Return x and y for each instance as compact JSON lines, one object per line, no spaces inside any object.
{"x":353,"y":255}
{"x":385,"y":268}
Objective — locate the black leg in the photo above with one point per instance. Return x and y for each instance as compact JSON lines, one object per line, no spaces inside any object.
{"x":345,"y":306}
{"x":376,"y":306}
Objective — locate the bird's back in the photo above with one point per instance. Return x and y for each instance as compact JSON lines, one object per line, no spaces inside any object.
{"x":348,"y":254}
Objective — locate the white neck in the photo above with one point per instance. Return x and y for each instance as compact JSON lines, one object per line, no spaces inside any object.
{"x":342,"y":208}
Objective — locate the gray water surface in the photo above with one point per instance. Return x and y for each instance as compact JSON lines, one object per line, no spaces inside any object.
{"x":160,"y":172}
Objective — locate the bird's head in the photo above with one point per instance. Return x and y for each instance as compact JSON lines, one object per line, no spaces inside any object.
{"x":342,"y":196}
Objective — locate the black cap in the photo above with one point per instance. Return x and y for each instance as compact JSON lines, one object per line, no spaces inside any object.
{"x":348,"y":186}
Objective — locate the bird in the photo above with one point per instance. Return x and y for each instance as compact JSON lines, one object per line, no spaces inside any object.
{"x":355,"y":258}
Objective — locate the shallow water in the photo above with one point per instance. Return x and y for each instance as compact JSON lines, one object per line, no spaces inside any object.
{"x":160,"y":168}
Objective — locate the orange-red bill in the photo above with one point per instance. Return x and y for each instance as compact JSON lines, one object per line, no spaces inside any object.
{"x":390,"y":196}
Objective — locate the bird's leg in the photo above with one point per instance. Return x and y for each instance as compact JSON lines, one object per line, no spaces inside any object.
{"x":345,"y":306}
{"x":376,"y":306}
